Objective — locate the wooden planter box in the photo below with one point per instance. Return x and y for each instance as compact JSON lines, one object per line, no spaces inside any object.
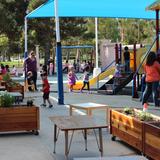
{"x":152,"y":140}
{"x":127,"y":128}
{"x":19,"y":88}
{"x":20,"y":118}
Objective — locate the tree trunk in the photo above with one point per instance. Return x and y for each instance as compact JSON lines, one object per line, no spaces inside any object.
{"x":47,"y":53}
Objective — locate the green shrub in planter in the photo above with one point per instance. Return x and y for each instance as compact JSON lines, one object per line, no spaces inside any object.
{"x":6,"y":100}
{"x":145,"y":116}
{"x":128,"y":111}
{"x":6,"y":77}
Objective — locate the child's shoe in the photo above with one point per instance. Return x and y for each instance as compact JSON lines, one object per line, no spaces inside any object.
{"x":145,"y":107}
{"x":50,"y":106}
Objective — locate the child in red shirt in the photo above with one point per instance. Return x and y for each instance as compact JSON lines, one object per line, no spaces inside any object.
{"x":45,"y":90}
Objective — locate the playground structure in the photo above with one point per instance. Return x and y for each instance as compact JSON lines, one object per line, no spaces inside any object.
{"x":136,"y":58}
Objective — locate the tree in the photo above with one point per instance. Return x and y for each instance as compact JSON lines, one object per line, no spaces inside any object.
{"x":42,"y":31}
{"x":12,"y":17}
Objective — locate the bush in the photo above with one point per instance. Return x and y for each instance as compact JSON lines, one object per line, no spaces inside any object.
{"x":145,"y":116}
{"x":6,"y":100}
{"x":128,"y":111}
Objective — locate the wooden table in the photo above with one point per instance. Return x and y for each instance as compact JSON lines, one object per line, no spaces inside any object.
{"x":73,"y":123}
{"x":89,"y":107}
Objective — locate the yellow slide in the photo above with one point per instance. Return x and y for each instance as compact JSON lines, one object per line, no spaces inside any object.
{"x":101,"y":76}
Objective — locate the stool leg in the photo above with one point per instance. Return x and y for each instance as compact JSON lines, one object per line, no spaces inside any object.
{"x":55,"y":138}
{"x":100,"y":142}
{"x":85,"y":138}
{"x":66,"y":144}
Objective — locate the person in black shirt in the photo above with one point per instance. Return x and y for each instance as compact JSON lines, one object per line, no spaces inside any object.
{"x":127,"y":59}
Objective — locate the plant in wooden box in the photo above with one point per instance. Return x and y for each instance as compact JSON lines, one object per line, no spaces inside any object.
{"x":13,"y":86}
{"x":17,"y":118}
{"x":6,"y":100}
{"x":127,"y":124}
{"x":5,"y":79}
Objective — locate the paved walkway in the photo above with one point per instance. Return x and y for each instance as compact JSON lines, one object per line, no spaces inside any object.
{"x":31,"y":147}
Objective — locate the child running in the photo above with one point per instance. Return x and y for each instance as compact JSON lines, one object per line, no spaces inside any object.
{"x":45,"y":90}
{"x":71,"y":79}
{"x":86,"y":79}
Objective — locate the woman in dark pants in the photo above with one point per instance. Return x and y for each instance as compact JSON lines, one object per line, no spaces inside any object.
{"x":152,"y":70}
{"x":30,"y":64}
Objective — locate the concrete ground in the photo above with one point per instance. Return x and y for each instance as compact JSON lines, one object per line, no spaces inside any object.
{"x":25,"y":146}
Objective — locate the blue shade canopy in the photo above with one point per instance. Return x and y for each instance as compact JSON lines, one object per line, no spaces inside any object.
{"x":154,"y":6}
{"x":95,"y":8}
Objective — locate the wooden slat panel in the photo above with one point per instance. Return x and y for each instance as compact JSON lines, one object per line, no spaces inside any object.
{"x":120,"y":123}
{"x":19,"y":119}
{"x":137,"y":133}
{"x":18,"y":127}
{"x":126,"y":119}
{"x":152,"y":140}
{"x":17,"y":110}
{"x":136,"y":143}
{"x":154,"y":130}
{"x":152,"y":152}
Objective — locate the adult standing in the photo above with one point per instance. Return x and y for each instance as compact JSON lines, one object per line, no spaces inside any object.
{"x":30,"y":65}
{"x":152,"y":71}
{"x":50,"y":66}
{"x":127,"y":59}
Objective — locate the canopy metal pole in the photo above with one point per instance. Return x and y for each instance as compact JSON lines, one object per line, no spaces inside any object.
{"x":157,"y":29}
{"x":25,"y":38}
{"x":37,"y":57}
{"x":96,"y":70}
{"x":58,"y":57}
{"x":96,"y":36}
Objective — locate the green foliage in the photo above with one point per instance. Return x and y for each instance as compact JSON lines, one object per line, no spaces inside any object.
{"x":145,"y":116}
{"x":13,"y":83}
{"x":3,"y":40}
{"x":6,"y":100}
{"x":128,"y":111}
{"x":6,"y":77}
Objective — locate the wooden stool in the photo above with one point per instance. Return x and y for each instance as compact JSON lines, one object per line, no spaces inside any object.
{"x":26,"y":85}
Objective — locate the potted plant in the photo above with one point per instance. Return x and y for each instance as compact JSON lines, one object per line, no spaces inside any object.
{"x":128,"y":125}
{"x":6,"y":100}
{"x":13,"y":86}
{"x":17,"y":117}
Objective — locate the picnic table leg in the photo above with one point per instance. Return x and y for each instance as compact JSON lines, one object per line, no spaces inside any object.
{"x":55,"y":138}
{"x":100,"y":142}
{"x":66,"y":144}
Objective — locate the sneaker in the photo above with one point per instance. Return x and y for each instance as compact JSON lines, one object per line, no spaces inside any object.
{"x":145,"y":107}
{"x":50,"y":106}
{"x":43,"y":105}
